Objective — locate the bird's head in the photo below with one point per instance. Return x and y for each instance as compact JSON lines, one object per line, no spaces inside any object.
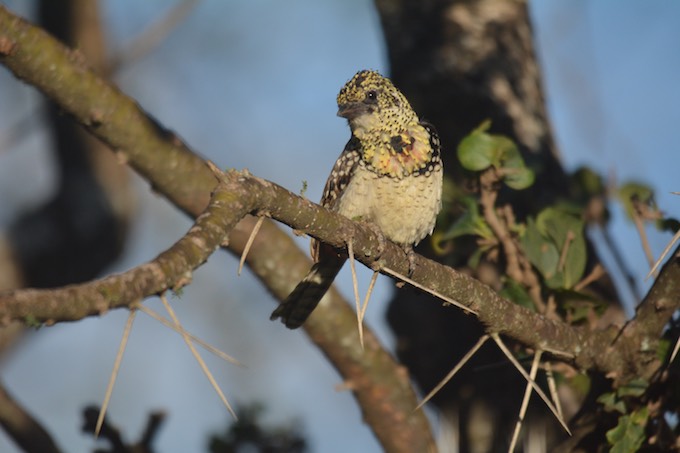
{"x":372,"y":103}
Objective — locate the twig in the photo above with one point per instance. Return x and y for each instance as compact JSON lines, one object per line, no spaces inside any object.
{"x":517,"y":266}
{"x":152,"y":36}
{"x":565,"y":249}
{"x":640,"y":226}
{"x":620,"y":263}
{"x":594,"y":275}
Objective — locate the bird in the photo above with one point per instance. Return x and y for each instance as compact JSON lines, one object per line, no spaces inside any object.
{"x":389,"y":175}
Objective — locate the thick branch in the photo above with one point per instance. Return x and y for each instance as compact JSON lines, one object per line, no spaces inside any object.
{"x":240,"y":194}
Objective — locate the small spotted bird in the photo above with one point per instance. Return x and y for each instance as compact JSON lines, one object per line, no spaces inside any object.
{"x":389,"y":174}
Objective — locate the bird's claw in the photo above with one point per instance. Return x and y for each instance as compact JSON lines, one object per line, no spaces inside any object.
{"x":380,"y":239}
{"x":411,"y":257}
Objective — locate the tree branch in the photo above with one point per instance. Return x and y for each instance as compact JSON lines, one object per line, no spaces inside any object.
{"x":239,"y":194}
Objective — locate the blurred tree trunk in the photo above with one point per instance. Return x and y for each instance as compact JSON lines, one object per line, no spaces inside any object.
{"x":461,"y":62}
{"x":81,"y":230}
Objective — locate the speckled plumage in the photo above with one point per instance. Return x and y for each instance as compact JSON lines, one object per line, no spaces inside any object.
{"x":389,"y":174}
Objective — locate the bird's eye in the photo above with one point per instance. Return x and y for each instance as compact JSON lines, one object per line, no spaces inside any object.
{"x":372,"y":95}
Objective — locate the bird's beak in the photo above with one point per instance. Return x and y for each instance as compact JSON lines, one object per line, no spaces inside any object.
{"x":353,"y":110}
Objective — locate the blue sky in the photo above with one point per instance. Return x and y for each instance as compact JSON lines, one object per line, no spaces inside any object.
{"x":253,"y":84}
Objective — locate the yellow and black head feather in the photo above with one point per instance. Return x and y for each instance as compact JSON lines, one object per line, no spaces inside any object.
{"x":392,"y":141}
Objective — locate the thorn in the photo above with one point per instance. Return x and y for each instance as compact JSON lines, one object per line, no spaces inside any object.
{"x":355,"y":285}
{"x":525,"y":400}
{"x":665,"y":252}
{"x":553,"y":388}
{"x":198,"y":357}
{"x":215,"y":170}
{"x":523,"y":372}
{"x":114,"y":372}
{"x":675,"y":350}
{"x":455,"y":369}
{"x":368,"y":294}
{"x":249,"y":243}
{"x":389,"y":271}
{"x":180,"y":330}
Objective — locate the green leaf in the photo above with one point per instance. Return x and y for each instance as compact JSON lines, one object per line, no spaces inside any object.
{"x":634,"y":191}
{"x":580,"y":383}
{"x":586,"y":183}
{"x":32,"y":321}
{"x":515,"y":173}
{"x":580,"y":307}
{"x":519,"y":179}
{"x":668,"y":224}
{"x":636,"y":387}
{"x":611,"y":403}
{"x":480,"y":150}
{"x":470,"y":222}
{"x":516,"y":293}
{"x":475,"y":258}
{"x":540,"y":250}
{"x":664,"y":349}
{"x":564,"y":231}
{"x":477,"y":151}
{"x":629,"y":434}
{"x":554,"y":232}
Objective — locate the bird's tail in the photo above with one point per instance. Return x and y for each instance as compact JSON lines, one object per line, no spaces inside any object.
{"x":297,"y":307}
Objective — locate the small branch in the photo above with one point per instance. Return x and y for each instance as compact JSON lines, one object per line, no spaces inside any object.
{"x":170,"y":270}
{"x":518,"y":267}
{"x":152,"y":36}
{"x":620,"y":263}
{"x":594,"y":275}
{"x":565,"y":250}
{"x":488,"y":196}
{"x":638,"y":219}
{"x":22,"y":428}
{"x":114,"y":437}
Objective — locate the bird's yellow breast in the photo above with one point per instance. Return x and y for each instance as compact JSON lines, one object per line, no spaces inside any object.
{"x":405,"y":209}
